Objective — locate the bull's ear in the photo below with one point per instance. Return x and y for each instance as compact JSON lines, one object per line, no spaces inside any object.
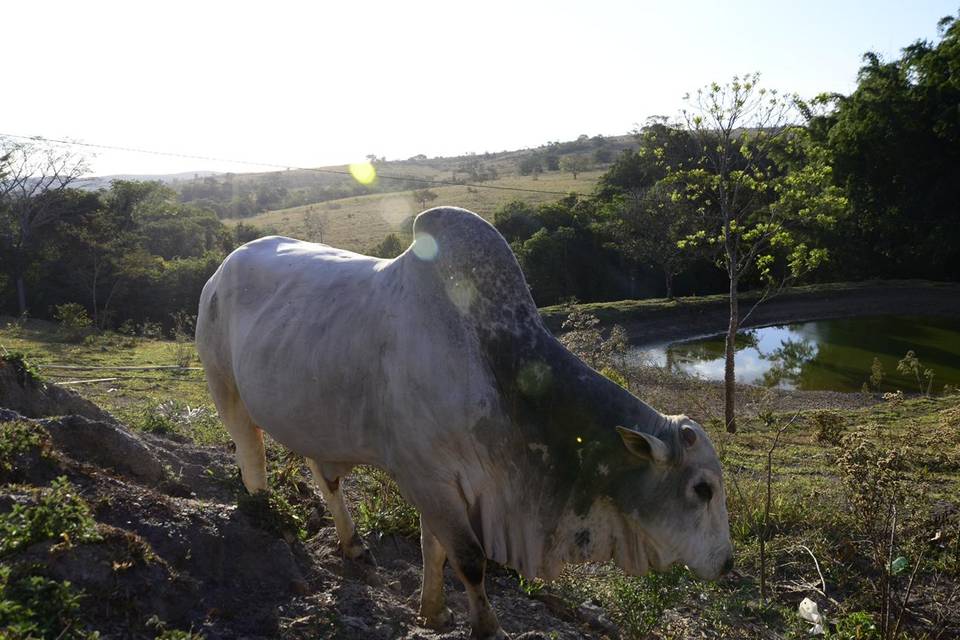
{"x":644,"y":445}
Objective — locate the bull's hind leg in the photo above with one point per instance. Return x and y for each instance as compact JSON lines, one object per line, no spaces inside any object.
{"x":247,"y":436}
{"x":433,"y":608}
{"x":329,"y":484}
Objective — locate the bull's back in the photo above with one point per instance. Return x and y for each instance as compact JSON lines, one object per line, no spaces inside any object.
{"x":289,"y":324}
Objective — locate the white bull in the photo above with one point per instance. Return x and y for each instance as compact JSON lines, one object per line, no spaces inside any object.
{"x":435,"y":367}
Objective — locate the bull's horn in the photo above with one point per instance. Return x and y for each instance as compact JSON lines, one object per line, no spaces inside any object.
{"x":644,"y":445}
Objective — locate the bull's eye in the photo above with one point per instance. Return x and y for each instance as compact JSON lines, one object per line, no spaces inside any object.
{"x":704,"y":491}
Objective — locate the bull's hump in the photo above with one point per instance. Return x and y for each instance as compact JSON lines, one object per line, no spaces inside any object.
{"x":476,"y":267}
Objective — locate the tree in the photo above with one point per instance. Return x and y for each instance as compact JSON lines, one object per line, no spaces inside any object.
{"x":104,"y":247}
{"x":389,"y":247}
{"x":574,"y":164}
{"x":32,"y":173}
{"x":753,"y":212}
{"x":895,"y":146}
{"x":531,"y":164}
{"x":424,"y":196}
{"x":651,"y":228}
{"x":314,"y":225}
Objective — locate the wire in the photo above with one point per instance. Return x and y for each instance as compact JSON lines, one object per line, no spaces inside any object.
{"x":444,"y":183}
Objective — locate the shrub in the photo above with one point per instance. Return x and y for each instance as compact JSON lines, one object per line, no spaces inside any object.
{"x":182,"y":333}
{"x":910,"y":364}
{"x":73,"y":320}
{"x":19,"y":438}
{"x":23,"y":369}
{"x":58,"y":513}
{"x":829,"y":428}
{"x":33,"y":606}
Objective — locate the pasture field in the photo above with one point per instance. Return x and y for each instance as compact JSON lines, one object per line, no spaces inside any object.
{"x":826,"y":485}
{"x":361,"y":222}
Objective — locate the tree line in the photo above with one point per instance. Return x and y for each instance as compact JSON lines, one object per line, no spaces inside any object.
{"x":130,"y":253}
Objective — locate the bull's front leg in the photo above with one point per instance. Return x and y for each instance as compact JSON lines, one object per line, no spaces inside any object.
{"x":433,"y":607}
{"x":470,"y":564}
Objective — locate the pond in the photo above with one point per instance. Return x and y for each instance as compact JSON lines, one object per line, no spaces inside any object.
{"x":824,"y":354}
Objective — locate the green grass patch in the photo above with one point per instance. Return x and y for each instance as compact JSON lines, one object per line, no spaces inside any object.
{"x":380,"y":507}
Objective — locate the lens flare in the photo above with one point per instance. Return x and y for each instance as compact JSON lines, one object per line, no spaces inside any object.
{"x":425,"y":247}
{"x":363,"y":172}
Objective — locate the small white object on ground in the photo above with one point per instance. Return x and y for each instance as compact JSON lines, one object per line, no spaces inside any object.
{"x":808,"y":611}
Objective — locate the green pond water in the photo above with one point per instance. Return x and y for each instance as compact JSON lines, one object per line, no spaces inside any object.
{"x":824,"y":354}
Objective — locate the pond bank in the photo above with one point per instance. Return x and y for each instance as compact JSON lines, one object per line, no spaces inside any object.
{"x":657,"y":321}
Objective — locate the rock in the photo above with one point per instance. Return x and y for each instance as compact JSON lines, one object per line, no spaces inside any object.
{"x":37,"y":399}
{"x":597,"y":619}
{"x":105,"y":444}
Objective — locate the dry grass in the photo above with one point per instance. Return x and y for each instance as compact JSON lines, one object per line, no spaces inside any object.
{"x":360,"y":222}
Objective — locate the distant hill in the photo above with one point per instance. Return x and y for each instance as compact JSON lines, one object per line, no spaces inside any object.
{"x":327,"y":204}
{"x":103,"y":182}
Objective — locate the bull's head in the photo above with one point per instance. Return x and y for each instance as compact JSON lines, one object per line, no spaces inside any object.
{"x":676,"y":503}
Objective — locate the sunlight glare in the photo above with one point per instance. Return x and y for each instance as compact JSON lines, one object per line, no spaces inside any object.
{"x":363,"y":172}
{"x":425,"y":247}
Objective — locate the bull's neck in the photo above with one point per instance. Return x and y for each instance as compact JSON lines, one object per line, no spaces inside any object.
{"x":565,"y":398}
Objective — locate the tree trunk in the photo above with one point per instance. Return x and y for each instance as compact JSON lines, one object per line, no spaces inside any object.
{"x":729,"y":373}
{"x":21,"y":293}
{"x":668,"y":278}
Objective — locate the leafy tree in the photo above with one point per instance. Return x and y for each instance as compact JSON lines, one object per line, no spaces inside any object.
{"x":516,"y":220}
{"x":32,"y":174}
{"x":313,"y":226}
{"x":651,"y":228}
{"x":574,"y":164}
{"x":389,"y":247}
{"x":752,"y":212}
{"x":895,"y":147}
{"x":424,"y":197}
{"x":531,"y":165}
{"x":104,"y":255}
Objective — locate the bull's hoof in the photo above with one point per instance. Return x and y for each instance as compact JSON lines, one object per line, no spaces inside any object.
{"x":438,"y":621}
{"x":361,"y":555}
{"x":357,"y":551}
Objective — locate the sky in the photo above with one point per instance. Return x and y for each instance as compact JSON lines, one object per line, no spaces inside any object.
{"x":321,"y":83}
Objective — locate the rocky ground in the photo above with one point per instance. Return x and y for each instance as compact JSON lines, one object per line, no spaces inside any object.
{"x":175,"y":544}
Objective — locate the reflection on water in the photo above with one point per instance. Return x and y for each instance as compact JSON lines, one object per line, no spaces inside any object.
{"x":825,"y":354}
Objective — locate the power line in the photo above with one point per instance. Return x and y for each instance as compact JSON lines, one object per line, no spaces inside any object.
{"x":187,"y":156}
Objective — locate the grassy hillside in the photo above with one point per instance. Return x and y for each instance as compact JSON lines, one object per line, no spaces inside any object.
{"x":360,"y":222}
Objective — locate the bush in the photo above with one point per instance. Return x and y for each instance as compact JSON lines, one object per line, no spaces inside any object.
{"x":829,"y":428}
{"x":33,"y":606}
{"x":73,"y":320}
{"x":58,"y":513}
{"x":24,"y":371}
{"x":17,"y":439}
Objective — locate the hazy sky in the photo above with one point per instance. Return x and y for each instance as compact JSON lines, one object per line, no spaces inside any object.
{"x":317,"y":83}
